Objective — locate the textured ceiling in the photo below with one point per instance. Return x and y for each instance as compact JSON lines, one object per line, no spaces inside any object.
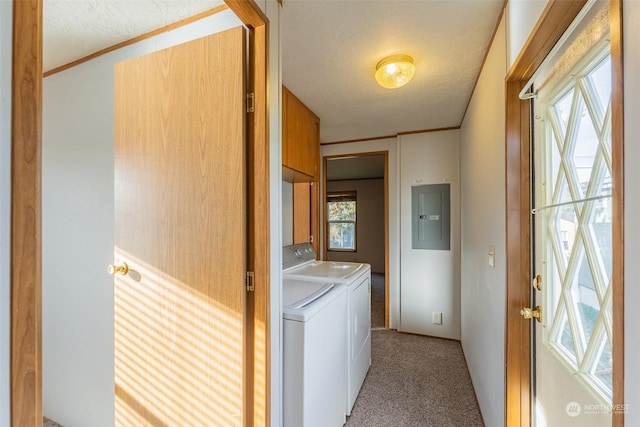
{"x":355,"y":167}
{"x":74,"y":29}
{"x":330,"y":49}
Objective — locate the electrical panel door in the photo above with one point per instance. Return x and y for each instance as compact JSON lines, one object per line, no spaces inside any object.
{"x":430,"y":222}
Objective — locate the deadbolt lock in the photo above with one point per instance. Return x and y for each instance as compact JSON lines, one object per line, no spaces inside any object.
{"x":537,"y":283}
{"x":529,"y":313}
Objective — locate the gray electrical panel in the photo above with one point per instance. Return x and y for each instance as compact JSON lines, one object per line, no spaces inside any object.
{"x":430,"y":222}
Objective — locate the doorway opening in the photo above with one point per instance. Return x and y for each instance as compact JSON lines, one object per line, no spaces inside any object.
{"x":364,"y":178}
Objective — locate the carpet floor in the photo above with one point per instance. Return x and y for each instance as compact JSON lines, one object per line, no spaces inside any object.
{"x":415,"y":381}
{"x":48,"y":423}
{"x":377,"y":300}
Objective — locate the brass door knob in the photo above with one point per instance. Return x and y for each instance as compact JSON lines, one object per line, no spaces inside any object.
{"x":121,"y":268}
{"x":529,"y":313}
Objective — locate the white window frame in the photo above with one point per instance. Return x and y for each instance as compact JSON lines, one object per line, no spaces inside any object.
{"x":583,"y":363}
{"x":344,"y":196}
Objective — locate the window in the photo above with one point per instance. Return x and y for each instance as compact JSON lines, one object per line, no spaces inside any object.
{"x":341,"y":221}
{"x":577,"y":222}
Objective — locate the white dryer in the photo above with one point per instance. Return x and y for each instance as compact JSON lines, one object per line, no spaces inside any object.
{"x":299,"y":263}
{"x":314,"y":341}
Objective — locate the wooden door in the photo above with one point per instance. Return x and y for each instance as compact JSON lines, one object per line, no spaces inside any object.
{"x":180,"y":220}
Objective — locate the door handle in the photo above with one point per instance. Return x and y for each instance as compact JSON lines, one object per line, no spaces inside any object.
{"x":529,"y":313}
{"x":121,"y":268}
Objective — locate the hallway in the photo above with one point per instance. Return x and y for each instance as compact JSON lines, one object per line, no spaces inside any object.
{"x":415,"y":381}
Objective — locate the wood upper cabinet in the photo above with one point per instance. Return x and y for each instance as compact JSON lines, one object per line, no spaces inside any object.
{"x":306,"y":212}
{"x":300,"y":137}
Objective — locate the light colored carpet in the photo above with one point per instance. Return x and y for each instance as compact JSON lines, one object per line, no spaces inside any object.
{"x":415,"y":381}
{"x":377,"y":300}
{"x":48,"y":423}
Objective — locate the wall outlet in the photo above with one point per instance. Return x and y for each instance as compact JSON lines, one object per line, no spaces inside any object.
{"x":437,"y":318}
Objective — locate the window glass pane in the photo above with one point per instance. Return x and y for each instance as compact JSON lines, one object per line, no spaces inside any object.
{"x":601,"y":78}
{"x":342,"y":211}
{"x":555,"y":157}
{"x":603,"y":370}
{"x":566,"y":338}
{"x":563,"y":110}
{"x":342,"y":235}
{"x":565,"y":228}
{"x":600,"y":225}
{"x":585,"y":148}
{"x":588,"y":307}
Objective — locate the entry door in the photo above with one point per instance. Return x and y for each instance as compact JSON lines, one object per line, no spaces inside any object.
{"x":180,"y":219}
{"x":573,"y":242}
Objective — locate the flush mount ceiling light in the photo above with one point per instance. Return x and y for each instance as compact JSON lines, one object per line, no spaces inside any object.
{"x":395,"y":71}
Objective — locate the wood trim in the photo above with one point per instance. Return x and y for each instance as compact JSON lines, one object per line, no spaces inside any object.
{"x":617,"y":150}
{"x":249,"y":12}
{"x":323,"y":209}
{"x":129,"y":42}
{"x":258,"y":376}
{"x":359,"y":140}
{"x":386,"y":240}
{"x":517,"y":332}
{"x":315,"y":216}
{"x":26,"y":247}
{"x":554,"y":21}
{"x":411,"y":132}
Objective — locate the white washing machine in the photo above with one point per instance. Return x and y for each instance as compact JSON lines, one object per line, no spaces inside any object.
{"x":299,"y":263}
{"x":314,"y":341}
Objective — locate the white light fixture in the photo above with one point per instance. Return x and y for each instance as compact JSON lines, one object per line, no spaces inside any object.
{"x":395,"y":71}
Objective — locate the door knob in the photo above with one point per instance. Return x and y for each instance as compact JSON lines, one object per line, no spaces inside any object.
{"x":121,"y":268}
{"x":529,"y":313}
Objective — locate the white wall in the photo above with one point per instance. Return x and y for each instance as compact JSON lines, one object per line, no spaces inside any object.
{"x":77,"y":230}
{"x":6,"y":27}
{"x":390,"y":145}
{"x":430,"y":279}
{"x":632,"y":207}
{"x":521,"y":15}
{"x":482,"y":165}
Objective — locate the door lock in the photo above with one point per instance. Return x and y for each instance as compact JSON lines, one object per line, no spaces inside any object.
{"x":529,"y":313}
{"x":537,"y":283}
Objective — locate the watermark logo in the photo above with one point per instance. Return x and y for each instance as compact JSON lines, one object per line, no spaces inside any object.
{"x":573,"y":409}
{"x":596,"y":408}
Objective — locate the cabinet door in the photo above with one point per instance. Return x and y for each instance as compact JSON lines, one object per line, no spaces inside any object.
{"x":301,"y":212}
{"x":300,"y":136}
